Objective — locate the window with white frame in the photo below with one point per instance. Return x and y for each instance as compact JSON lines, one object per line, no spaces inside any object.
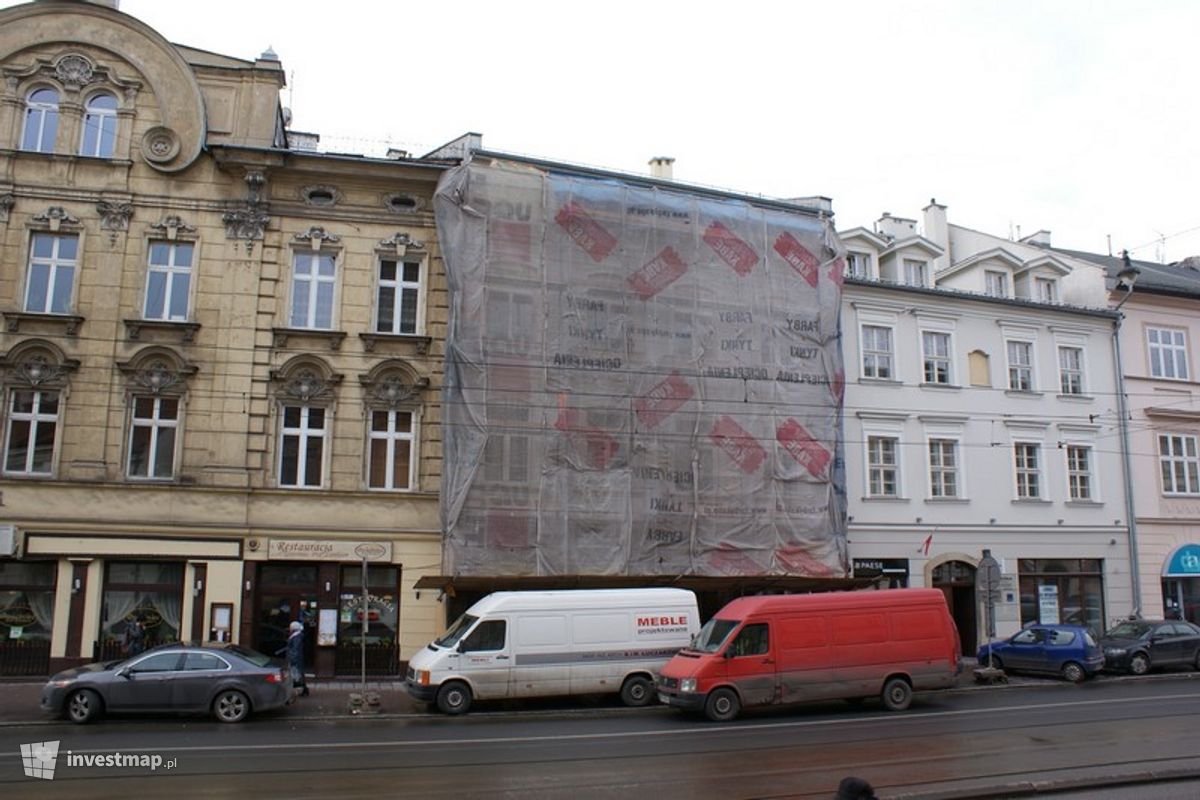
{"x":391,"y":462}
{"x":302,"y":446}
{"x":916,"y":273}
{"x":50,"y":280}
{"x":31,"y":432}
{"x":1045,"y":290}
{"x":883,"y":466}
{"x":943,"y":468}
{"x":877,"y":352}
{"x":154,"y":423}
{"x":168,"y":280}
{"x":936,"y":348}
{"x":1079,"y":473}
{"x":399,"y":297}
{"x":858,"y":265}
{"x":1070,"y":370}
{"x":1180,"y":465}
{"x":314,"y":283}
{"x":1020,"y":366}
{"x":1027,"y":461}
{"x":41,"y":121}
{"x":99,"y":137}
{"x":1168,"y":353}
{"x":996,"y":283}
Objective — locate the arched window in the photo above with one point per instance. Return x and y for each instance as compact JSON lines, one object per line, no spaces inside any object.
{"x":99,"y":126}
{"x":41,"y":121}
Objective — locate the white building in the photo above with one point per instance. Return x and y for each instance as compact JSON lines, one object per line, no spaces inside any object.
{"x":981,"y":415}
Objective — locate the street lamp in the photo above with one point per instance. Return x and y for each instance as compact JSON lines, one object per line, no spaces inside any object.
{"x":1125,"y":280}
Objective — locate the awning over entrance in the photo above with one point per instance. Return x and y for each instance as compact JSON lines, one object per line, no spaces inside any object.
{"x":451,"y":584}
{"x":1183,"y":563}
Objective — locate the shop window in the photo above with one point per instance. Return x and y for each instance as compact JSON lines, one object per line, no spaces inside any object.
{"x":145,"y":595}
{"x":1062,"y":591}
{"x":383,"y":606}
{"x":27,"y":600}
{"x":41,"y":121}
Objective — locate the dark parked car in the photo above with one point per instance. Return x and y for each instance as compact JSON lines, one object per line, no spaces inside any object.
{"x":228,"y":681}
{"x":1066,"y":650}
{"x":1137,"y":645}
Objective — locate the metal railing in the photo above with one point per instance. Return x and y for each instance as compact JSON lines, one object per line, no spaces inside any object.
{"x":29,"y":657}
{"x":382,"y":659}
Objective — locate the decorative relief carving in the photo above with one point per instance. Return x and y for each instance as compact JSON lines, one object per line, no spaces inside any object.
{"x":7,"y":201}
{"x":38,"y":370}
{"x":157,"y":377}
{"x":55,"y":217}
{"x":307,"y":386}
{"x":248,"y":219}
{"x":394,"y":390}
{"x":74,"y":70}
{"x":114,"y":217}
{"x":401,"y":243}
{"x":160,"y":145}
{"x":171,"y":226}
{"x":317,"y":237}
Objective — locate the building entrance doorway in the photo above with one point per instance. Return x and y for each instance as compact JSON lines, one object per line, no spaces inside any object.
{"x":956,"y":579}
{"x":286,"y":593}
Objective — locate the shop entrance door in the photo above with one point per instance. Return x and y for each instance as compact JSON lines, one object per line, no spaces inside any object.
{"x":956,"y":579}
{"x":286,"y":593}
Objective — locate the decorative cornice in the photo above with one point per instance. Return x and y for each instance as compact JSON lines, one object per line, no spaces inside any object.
{"x":171,"y":226}
{"x":307,"y":386}
{"x":393,"y":391}
{"x":316,"y":238}
{"x":55,"y":217}
{"x":157,"y":375}
{"x":401,"y":243}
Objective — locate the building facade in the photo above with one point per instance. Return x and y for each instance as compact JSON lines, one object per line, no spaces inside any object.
{"x":221,"y":359}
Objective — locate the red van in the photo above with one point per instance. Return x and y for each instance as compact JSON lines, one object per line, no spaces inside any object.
{"x":782,"y":649}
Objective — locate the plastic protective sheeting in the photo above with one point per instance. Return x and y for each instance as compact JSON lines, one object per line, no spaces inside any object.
{"x":639,"y":380}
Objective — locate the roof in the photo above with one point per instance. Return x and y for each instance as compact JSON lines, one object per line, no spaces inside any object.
{"x":1178,"y":279}
{"x":914,"y":242}
{"x":584,"y":599}
{"x":698,"y":583}
{"x":775,"y":603}
{"x":982,"y":298}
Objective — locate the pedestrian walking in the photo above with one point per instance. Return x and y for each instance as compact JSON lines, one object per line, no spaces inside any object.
{"x":295,"y":656}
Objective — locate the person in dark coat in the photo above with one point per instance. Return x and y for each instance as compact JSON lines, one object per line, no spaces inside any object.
{"x":295,"y":655}
{"x":135,"y":635}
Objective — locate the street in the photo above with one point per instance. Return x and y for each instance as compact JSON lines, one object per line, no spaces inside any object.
{"x":968,"y":743}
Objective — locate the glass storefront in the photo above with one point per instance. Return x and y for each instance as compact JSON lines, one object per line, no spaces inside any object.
{"x":142,"y":604}
{"x":287,"y":593}
{"x":27,"y":600}
{"x":1063,"y":590}
{"x":382,"y":617}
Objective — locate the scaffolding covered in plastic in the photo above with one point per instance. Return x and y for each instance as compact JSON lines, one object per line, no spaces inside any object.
{"x":641,"y":379}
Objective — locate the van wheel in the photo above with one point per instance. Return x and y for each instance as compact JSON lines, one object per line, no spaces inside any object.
{"x":1073,"y":672}
{"x":637,"y":691}
{"x":1139,"y":664}
{"x":454,"y":698}
{"x":722,"y":705}
{"x":897,"y":694}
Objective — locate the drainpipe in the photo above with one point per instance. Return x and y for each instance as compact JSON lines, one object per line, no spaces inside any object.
{"x":1125,"y":280}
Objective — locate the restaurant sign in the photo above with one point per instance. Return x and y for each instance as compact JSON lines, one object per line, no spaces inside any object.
{"x":327,"y":550}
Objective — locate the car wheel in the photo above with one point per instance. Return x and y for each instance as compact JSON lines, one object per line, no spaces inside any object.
{"x":722,"y":705}
{"x":1139,"y":664}
{"x":231,"y":706}
{"x":83,"y":706}
{"x":1196,"y":660}
{"x":897,"y":694}
{"x":997,"y":663}
{"x":454,"y":697}
{"x":637,"y":691}
{"x":1074,"y":672}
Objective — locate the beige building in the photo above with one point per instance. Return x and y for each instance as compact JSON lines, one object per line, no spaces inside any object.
{"x":221,"y":359}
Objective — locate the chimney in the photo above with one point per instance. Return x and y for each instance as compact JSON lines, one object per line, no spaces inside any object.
{"x":660,"y":167}
{"x":937,"y":230}
{"x":895,"y":227}
{"x":1039,"y":239}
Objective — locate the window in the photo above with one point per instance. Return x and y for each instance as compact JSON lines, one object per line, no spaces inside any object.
{"x":51,"y":278}
{"x":487,"y":635}
{"x":203,"y":661}
{"x":937,"y":356}
{"x":1045,"y":290}
{"x":32,"y":432}
{"x":399,"y":296}
{"x":41,"y":121}
{"x":943,"y":468}
{"x":302,"y":447}
{"x":391,"y":450}
{"x":1179,"y":464}
{"x":168,"y":281}
{"x":858,"y":265}
{"x":1168,"y":353}
{"x":313,"y":281}
{"x":1079,"y":472}
{"x":27,"y":600}
{"x":99,"y":126}
{"x":1020,"y":366}
{"x":161,"y":662}
{"x":1076,"y":584}
{"x":152,"y":437}
{"x":883,"y":471}
{"x":752,"y":640}
{"x":915,"y":272}
{"x":149,"y":592}
{"x":877,"y":351}
{"x":995,"y":283}
{"x":1026,"y":461}
{"x":1070,"y":370}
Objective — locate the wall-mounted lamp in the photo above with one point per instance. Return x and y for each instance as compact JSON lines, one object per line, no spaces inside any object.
{"x":328,"y":586}
{"x":198,"y":588}
{"x":417,"y":593}
{"x":76,"y":585}
{"x":247,"y":587}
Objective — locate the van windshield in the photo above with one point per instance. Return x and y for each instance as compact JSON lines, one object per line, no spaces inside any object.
{"x":713,"y":635}
{"x":456,"y":631}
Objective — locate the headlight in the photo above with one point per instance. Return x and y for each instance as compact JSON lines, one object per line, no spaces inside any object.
{"x":687,"y":685}
{"x":423,"y":677}
{"x":61,"y":683}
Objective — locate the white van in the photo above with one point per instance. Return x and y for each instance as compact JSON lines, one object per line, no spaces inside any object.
{"x":532,"y":644}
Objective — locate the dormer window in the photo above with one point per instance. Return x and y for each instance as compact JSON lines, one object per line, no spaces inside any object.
{"x":916,"y":272}
{"x":858,"y":265}
{"x":41,"y":121}
{"x":99,"y":126}
{"x":1045,"y":290}
{"x":996,"y":283}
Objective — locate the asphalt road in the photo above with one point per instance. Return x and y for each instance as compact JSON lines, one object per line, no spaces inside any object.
{"x":998,"y":743}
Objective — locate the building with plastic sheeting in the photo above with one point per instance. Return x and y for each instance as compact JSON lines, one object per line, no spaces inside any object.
{"x":643,"y":379}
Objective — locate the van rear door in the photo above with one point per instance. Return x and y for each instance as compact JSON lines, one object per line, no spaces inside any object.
{"x":750,"y":664}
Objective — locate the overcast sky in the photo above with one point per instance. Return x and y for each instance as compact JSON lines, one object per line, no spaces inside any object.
{"x":1078,"y":117}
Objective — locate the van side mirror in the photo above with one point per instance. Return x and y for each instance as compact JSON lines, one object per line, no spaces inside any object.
{"x":728,"y":653}
{"x":460,"y":647}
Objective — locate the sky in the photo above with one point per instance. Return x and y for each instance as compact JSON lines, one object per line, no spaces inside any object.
{"x":1077,"y":117}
